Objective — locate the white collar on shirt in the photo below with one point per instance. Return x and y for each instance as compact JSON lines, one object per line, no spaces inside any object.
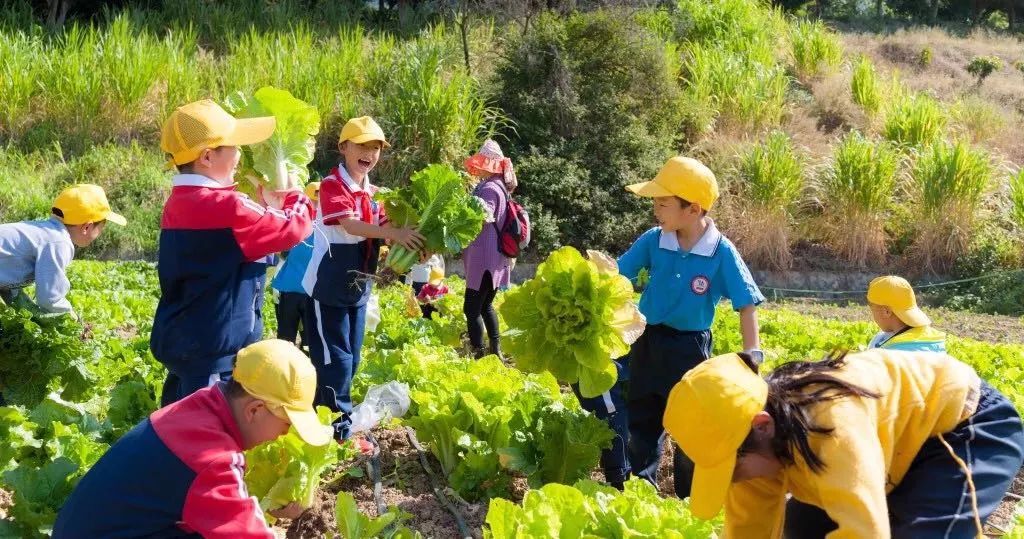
{"x":197,"y":180}
{"x":352,"y":185}
{"x":705,"y":246}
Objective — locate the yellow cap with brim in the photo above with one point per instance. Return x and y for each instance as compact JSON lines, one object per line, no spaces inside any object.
{"x":708,"y":414}
{"x":682,"y":177}
{"x":276,"y":372}
{"x":362,"y":129}
{"x":436,"y":275}
{"x":897,"y":294}
{"x":203,"y":125}
{"x":313,"y":190}
{"x":86,"y":203}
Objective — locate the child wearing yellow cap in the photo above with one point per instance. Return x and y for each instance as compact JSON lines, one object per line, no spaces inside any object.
{"x":432,"y":292}
{"x":215,"y":246}
{"x":40,"y":251}
{"x":179,"y":472}
{"x":903,"y":325}
{"x":350,"y":228}
{"x":691,"y":266}
{"x":886,"y":444}
{"x":419,"y":277}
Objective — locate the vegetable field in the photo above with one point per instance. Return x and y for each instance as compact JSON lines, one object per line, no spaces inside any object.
{"x":510,"y":453}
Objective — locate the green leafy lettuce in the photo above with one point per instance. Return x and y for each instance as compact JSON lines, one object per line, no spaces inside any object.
{"x":589,"y":510}
{"x":290,"y":149}
{"x":437,"y":203}
{"x":570,"y":320}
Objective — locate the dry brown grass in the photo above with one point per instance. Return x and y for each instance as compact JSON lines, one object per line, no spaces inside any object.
{"x":947,"y":79}
{"x":764,"y":236}
{"x":856,"y":238}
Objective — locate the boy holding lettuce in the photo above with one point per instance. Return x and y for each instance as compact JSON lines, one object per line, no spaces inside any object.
{"x":214,"y":247}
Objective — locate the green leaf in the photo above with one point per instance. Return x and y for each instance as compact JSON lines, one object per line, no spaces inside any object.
{"x":290,"y":149}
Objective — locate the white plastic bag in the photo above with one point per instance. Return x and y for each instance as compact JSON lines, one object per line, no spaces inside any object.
{"x":381,"y":402}
{"x":372,"y":313}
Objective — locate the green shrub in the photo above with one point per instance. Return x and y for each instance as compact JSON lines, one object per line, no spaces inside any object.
{"x":983,"y":66}
{"x":915,"y":121}
{"x":593,"y":93}
{"x":1017,"y":198}
{"x":856,"y":194}
{"x":816,"y":50}
{"x":925,"y":58}
{"x":865,"y":88}
{"x":950,"y":180}
{"x":771,"y":181}
{"x":733,"y":72}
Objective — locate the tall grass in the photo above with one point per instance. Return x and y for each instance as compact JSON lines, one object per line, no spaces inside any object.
{"x":115,"y":82}
{"x":771,"y":182}
{"x":433,"y":114}
{"x":1017,"y":198}
{"x":915,"y":121}
{"x":742,"y":93}
{"x":856,"y":195}
{"x":978,"y":119}
{"x":732,"y":68}
{"x":865,"y":88}
{"x":950,"y":180}
{"x":816,"y":50}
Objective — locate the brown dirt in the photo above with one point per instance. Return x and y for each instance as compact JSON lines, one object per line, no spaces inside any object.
{"x":1002,"y":520}
{"x":405,"y":485}
{"x":6,"y":500}
{"x":983,"y":327}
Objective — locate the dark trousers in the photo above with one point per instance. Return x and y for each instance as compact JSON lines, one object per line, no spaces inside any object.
{"x":611,"y":408}
{"x":933,"y":500}
{"x":478,"y":306}
{"x":657,"y":360}
{"x":425,"y":308}
{"x":290,"y":310}
{"x":335,"y":341}
{"x":177,"y":387}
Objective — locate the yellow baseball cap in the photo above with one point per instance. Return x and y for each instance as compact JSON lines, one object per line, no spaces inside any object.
{"x":313,"y":190}
{"x":277,"y":373}
{"x":86,"y":203}
{"x":203,"y":125}
{"x":897,"y":294}
{"x":708,"y":415}
{"x":682,"y":177}
{"x":436,"y":275}
{"x":362,"y":129}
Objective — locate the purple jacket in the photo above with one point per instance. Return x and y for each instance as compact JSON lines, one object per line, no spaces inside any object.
{"x":482,"y":255}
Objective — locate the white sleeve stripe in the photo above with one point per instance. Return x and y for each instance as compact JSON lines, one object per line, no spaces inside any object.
{"x":238,"y":470}
{"x":247,"y":202}
{"x":346,"y":213}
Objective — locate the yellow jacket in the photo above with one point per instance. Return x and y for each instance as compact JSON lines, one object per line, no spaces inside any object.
{"x":923,"y":394}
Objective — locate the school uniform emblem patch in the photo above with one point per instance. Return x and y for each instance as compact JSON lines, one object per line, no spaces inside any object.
{"x":700,"y":285}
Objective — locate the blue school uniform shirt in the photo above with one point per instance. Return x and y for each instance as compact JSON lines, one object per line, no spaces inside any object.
{"x":685,"y":286}
{"x":289,"y":277}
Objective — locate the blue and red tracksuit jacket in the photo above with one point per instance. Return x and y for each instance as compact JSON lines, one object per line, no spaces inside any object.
{"x":178,"y":473}
{"x":212,"y":263}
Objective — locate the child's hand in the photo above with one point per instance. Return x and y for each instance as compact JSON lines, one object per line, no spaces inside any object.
{"x":291,"y":511}
{"x":271,"y":199}
{"x":408,"y":238}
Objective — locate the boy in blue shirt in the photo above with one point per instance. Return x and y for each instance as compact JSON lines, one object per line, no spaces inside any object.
{"x":691,"y":266}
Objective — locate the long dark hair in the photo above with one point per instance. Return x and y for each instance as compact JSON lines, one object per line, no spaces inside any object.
{"x":793,"y":389}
